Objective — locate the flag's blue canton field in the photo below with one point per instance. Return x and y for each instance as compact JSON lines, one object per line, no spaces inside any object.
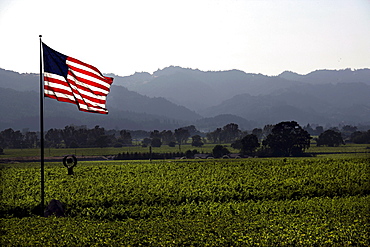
{"x":55,"y":62}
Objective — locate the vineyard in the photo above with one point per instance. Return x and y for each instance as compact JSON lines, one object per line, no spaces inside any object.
{"x":245,"y":202}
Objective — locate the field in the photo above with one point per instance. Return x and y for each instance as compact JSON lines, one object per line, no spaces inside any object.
{"x":352,"y":150}
{"x":8,"y":153}
{"x":317,"y":201}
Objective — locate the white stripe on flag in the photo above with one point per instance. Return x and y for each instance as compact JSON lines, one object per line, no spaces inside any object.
{"x":60,"y":95}
{"x":80,"y":83}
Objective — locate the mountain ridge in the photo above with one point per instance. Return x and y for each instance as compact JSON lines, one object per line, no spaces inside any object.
{"x":226,"y":84}
{"x":174,"y":97}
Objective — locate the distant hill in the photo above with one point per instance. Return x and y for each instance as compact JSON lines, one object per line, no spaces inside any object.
{"x":121,"y":98}
{"x":19,"y":96}
{"x":19,"y":82}
{"x":198,"y":90}
{"x":323,"y":96}
{"x":346,"y":103}
{"x":330,"y":76}
{"x":175,"y":97}
{"x":21,"y":111}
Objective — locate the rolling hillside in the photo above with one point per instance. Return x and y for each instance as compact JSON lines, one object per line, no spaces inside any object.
{"x":175,"y":97}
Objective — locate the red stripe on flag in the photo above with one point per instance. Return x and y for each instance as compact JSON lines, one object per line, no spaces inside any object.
{"x":53,"y":80}
{"x":86,"y":85}
{"x":60,"y":99}
{"x":89,"y":82}
{"x":81,"y":100}
{"x":95,"y":96}
{"x":84,"y":64}
{"x":97,"y":73}
{"x":58,"y":90}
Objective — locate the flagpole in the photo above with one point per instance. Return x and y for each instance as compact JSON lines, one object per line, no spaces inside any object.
{"x":42,"y":204}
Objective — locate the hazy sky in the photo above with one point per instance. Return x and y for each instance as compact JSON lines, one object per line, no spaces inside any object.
{"x":128,"y":36}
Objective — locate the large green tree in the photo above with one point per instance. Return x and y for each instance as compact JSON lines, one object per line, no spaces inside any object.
{"x":181,"y":135}
{"x":230,"y":133}
{"x":214,"y":136}
{"x":156,"y":134}
{"x":167,"y":137}
{"x":11,"y":139}
{"x":287,"y":139}
{"x":330,"y":138}
{"x":249,"y":143}
{"x":156,"y":142}
{"x":218,"y":151}
{"x":197,"y":141}
{"x":360,"y":137}
{"x":125,"y":137}
{"x":53,"y":138}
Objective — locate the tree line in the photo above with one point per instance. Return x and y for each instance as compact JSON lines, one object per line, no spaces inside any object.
{"x":264,"y":139}
{"x":82,"y":137}
{"x":290,"y":139}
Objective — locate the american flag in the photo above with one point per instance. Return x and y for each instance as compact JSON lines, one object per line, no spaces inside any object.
{"x":69,"y":80}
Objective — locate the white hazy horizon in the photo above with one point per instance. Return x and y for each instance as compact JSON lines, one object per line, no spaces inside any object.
{"x":124,"y":37}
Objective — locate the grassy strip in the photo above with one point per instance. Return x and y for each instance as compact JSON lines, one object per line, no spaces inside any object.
{"x":307,"y":222}
{"x":348,"y":150}
{"x":54,"y":152}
